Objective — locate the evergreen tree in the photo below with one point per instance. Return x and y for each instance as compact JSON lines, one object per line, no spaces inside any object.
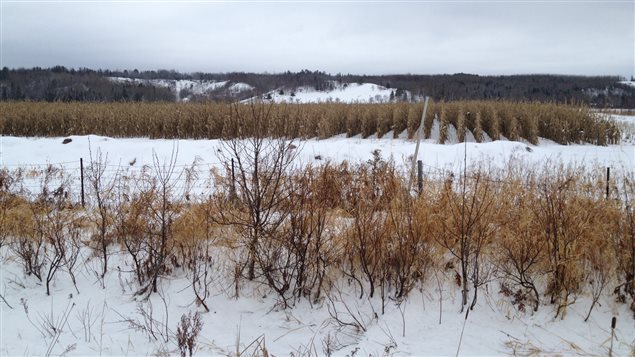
{"x":4,"y":74}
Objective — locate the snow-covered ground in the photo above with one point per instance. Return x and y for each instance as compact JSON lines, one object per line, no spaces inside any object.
{"x":99,"y":320}
{"x":20,"y":151}
{"x":344,"y":93}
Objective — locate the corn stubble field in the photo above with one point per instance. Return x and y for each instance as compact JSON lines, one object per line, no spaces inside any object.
{"x":538,"y":236}
{"x":515,"y":121}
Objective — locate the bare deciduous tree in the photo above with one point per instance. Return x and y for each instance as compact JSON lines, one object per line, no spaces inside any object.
{"x":260,"y":167}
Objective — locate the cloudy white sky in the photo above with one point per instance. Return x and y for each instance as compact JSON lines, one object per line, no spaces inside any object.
{"x":493,"y":37}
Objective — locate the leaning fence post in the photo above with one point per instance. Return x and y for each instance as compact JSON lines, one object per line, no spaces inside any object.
{"x":419,"y":133}
{"x":81,"y":175}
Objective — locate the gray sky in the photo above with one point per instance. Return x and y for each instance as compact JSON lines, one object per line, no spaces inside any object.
{"x":501,"y":37}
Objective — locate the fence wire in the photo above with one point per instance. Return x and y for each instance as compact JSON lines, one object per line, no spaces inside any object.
{"x":201,"y":180}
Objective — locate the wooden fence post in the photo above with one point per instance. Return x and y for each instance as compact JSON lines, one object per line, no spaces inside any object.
{"x":608,"y":177}
{"x":419,"y":176}
{"x":81,"y":173}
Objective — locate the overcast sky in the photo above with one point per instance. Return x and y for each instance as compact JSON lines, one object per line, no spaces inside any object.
{"x":504,"y":37}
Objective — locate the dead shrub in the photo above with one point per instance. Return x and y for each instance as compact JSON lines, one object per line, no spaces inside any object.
{"x":410,"y":247}
{"x":521,"y":254}
{"x":187,"y":333}
{"x":568,"y":216}
{"x":467,"y":214}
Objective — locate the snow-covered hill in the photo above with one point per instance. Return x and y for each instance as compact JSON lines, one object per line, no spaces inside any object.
{"x":182,"y":88}
{"x":338,"y":92}
{"x":344,"y":92}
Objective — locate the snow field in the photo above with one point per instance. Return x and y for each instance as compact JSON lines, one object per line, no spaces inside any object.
{"x":102,"y":321}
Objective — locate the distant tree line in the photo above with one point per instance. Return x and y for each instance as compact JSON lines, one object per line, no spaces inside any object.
{"x":597,"y":91}
{"x":62,"y":84}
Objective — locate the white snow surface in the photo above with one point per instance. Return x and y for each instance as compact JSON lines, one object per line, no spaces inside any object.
{"x":240,"y":87}
{"x":345,"y":93}
{"x":494,"y":327}
{"x":21,"y":151}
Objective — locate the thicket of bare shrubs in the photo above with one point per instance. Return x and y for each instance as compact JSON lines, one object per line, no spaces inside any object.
{"x":560,"y":123}
{"x":44,"y":228}
{"x":547,"y":237}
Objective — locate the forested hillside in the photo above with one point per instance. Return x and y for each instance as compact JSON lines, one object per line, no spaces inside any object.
{"x":63,"y":84}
